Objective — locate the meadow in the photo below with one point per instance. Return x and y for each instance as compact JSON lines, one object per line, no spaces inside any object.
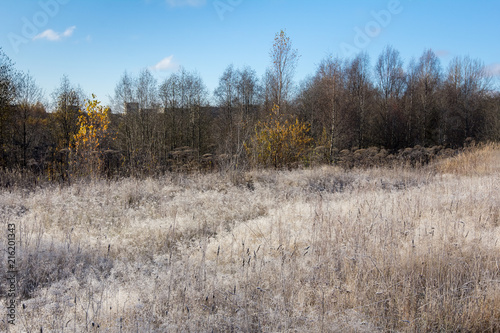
{"x":325,"y":249}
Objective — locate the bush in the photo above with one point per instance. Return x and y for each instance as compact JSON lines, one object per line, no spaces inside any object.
{"x":279,"y":142}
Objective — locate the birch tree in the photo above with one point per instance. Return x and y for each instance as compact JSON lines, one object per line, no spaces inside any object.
{"x":284,"y":60}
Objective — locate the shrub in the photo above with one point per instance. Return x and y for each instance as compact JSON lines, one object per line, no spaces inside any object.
{"x":279,"y":142}
{"x":87,"y":148}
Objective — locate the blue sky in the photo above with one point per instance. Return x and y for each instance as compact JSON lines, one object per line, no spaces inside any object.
{"x":94,"y":42}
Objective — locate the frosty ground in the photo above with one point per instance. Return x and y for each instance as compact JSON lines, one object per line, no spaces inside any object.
{"x":321,"y":249}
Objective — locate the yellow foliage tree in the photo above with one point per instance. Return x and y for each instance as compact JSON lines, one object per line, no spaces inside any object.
{"x":279,"y":142}
{"x":87,"y":145}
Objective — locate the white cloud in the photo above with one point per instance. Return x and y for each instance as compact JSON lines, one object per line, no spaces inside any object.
{"x":53,"y":36}
{"x":184,"y":3}
{"x":69,"y":31}
{"x":165,"y":64}
{"x":48,"y":34}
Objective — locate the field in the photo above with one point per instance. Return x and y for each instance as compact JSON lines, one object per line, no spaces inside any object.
{"x":316,"y":250}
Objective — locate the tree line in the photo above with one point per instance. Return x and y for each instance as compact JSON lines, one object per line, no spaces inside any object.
{"x":177,"y":124}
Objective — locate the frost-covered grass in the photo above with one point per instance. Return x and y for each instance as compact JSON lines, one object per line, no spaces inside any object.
{"x":290,"y":251}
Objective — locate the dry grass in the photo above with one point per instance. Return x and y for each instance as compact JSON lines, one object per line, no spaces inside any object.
{"x":481,"y":159}
{"x":298,"y":251}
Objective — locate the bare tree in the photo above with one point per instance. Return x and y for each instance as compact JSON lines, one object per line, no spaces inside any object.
{"x":410,"y":101}
{"x":170,"y":97}
{"x":284,"y":61}
{"x":248,"y":89}
{"x":141,"y":132}
{"x":196,"y":100}
{"x":492,"y":119}
{"x":466,"y":88}
{"x":330,"y":75}
{"x":146,"y":92}
{"x":235,"y":96}
{"x":7,"y":95}
{"x":390,"y":78}
{"x":184,"y":97}
{"x":359,"y":93}
{"x":67,"y":100}
{"x":249,"y":92}
{"x":7,"y":84}
{"x":28,"y":99}
{"x":307,"y":105}
{"x":390,"y":74}
{"x":427,"y":93}
{"x":146,"y":95}
{"x":124,"y":93}
{"x":226,"y":93}
{"x":227,"y":99}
